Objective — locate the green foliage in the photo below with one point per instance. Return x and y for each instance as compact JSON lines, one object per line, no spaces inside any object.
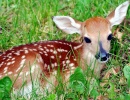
{"x":111,"y":91}
{"x":27,"y":21}
{"x":5,"y":88}
{"x":51,"y":97}
{"x":94,"y":93}
{"x":127,"y":97}
{"x":80,"y":85}
{"x":126,"y":71}
{"x":94,"y":88}
{"x":78,"y":81}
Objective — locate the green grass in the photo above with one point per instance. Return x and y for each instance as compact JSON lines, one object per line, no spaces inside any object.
{"x":27,"y":21}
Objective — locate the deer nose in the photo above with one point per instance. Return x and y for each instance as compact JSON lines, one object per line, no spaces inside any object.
{"x":102,"y":56}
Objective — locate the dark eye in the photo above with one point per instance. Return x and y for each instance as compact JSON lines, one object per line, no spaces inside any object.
{"x":87,"y":40}
{"x":109,"y":37}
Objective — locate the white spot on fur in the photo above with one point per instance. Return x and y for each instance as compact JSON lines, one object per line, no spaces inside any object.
{"x":13,"y":59}
{"x":9,"y":63}
{"x":59,"y":50}
{"x":77,"y":47}
{"x":60,"y":42}
{"x":9,"y":73}
{"x":41,"y":52}
{"x":45,"y":65}
{"x":64,"y":65}
{"x":50,"y":45}
{"x":21,"y":50}
{"x":12,"y":51}
{"x":34,"y":49}
{"x":44,"y":51}
{"x":23,"y":57}
{"x":74,"y":59}
{"x":56,"y":41}
{"x":39,"y":46}
{"x":1,"y":64}
{"x":55,"y":64}
{"x":7,"y":59}
{"x":66,"y":57}
{"x":46,"y":54}
{"x":45,"y":47}
{"x":26,"y":51}
{"x":51,"y":50}
{"x":35,"y":44}
{"x":41,"y":49}
{"x":5,"y":69}
{"x":55,"y":52}
{"x":47,"y":50}
{"x":52,"y":65}
{"x":17,"y":53}
{"x":63,"y":62}
{"x":9,"y":56}
{"x":52,"y":57}
{"x":71,"y":65}
{"x":12,"y":62}
{"x":30,"y":50}
{"x":21,"y":65}
{"x":25,"y":48}
{"x":60,"y":56}
{"x":65,"y":50}
{"x":67,"y":61}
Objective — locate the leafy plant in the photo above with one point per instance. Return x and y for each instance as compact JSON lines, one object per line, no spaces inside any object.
{"x":111,"y":91}
{"x":5,"y":88}
{"x":80,"y":85}
{"x":126,"y":71}
{"x":51,"y":97}
{"x":78,"y":81}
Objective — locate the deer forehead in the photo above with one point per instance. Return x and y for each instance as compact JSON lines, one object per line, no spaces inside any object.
{"x":97,"y":25}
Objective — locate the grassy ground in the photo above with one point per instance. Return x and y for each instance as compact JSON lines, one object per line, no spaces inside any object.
{"x":26,"y":21}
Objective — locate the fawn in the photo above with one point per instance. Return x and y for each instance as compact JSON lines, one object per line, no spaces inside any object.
{"x":46,"y":57}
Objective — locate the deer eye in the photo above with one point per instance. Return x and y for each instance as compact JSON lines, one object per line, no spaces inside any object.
{"x":87,"y":40}
{"x":109,"y":37}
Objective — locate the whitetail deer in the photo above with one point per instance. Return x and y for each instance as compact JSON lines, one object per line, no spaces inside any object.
{"x":48,"y":56}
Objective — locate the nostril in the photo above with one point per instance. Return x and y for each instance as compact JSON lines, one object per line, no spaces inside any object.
{"x":104,"y":59}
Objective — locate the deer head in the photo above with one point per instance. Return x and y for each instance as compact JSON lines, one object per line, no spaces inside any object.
{"x":96,"y":32}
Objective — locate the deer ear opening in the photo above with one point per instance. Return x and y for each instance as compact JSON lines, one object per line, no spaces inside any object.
{"x":118,"y":15}
{"x":67,"y":24}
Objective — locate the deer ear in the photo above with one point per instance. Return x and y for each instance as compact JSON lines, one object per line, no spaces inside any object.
{"x":67,"y":24}
{"x":118,"y":15}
